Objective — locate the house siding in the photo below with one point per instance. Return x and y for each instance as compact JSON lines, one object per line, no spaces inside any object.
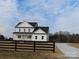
{"x":25,"y":24}
{"x":22,"y":29}
{"x":39,"y":31}
{"x":25,"y":30}
{"x":39,"y":37}
{"x":22,"y":38}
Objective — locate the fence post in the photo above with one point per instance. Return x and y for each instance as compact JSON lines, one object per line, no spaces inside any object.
{"x":54,"y":47}
{"x":34,"y":46}
{"x":15,"y":45}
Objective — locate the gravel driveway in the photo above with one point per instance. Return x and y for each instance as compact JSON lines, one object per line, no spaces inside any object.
{"x":68,"y":51}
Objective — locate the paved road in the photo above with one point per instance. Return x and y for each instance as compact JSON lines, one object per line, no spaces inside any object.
{"x":68,"y":51}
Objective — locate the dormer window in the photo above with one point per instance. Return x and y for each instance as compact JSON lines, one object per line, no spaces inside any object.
{"x":28,"y":30}
{"x":24,"y":29}
{"x":19,"y":30}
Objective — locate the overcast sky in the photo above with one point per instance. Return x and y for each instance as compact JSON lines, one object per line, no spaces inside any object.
{"x":59,"y":15}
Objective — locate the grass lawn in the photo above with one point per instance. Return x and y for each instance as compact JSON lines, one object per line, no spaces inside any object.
{"x":76,"y":45}
{"x":32,"y":55}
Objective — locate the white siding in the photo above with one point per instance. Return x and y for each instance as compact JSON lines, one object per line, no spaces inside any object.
{"x":22,"y":29}
{"x":15,"y":37}
{"x":25,"y":24}
{"x":39,"y":37}
{"x":22,"y":38}
{"x":31,"y":29}
{"x":39,"y":31}
{"x":27,"y":29}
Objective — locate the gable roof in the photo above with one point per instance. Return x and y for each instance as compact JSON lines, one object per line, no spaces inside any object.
{"x":45,"y":29}
{"x":18,"y":24}
{"x":34,"y":24}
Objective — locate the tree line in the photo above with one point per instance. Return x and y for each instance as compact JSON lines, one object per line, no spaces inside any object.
{"x":64,"y":37}
{"x":61,"y":36}
{"x":2,"y":37}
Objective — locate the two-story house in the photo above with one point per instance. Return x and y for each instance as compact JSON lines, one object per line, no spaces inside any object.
{"x":30,"y":31}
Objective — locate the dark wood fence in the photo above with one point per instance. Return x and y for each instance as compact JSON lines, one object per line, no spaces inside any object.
{"x":26,"y":45}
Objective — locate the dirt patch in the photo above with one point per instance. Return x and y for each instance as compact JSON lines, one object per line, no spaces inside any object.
{"x":32,"y":55}
{"x":76,"y":45}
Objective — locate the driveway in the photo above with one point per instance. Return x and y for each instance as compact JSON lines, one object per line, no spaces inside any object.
{"x":68,"y":51}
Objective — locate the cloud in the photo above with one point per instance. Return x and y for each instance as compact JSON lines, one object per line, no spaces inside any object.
{"x":57,"y":14}
{"x":43,"y":12}
{"x":68,"y":21}
{"x":2,"y":30}
{"x":7,"y":13}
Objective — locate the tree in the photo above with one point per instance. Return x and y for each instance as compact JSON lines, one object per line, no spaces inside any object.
{"x":10,"y":38}
{"x":2,"y":37}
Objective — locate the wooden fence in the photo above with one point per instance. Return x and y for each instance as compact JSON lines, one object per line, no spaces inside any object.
{"x":26,"y":45}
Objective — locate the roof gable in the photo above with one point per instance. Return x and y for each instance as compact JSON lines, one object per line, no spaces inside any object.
{"x":26,"y":24}
{"x":34,"y":24}
{"x":41,"y":30}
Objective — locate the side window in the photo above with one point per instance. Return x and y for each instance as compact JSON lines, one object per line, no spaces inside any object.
{"x":35,"y":37}
{"x":42,"y":37}
{"x":19,"y":36}
{"x":24,"y":29}
{"x":19,"y":30}
{"x":29,"y":30}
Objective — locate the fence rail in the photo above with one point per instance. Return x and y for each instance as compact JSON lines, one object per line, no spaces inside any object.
{"x":27,"y":45}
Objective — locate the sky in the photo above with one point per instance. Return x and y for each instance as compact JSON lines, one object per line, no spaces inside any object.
{"x":59,"y":15}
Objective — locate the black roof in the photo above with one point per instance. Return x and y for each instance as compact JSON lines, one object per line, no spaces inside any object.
{"x":45,"y":29}
{"x":34,"y":24}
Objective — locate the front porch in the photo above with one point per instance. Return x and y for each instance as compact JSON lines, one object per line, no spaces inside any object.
{"x":23,"y":37}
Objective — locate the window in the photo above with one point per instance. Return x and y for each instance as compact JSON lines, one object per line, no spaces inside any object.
{"x":19,"y":36}
{"x":19,"y":30}
{"x":42,"y":37}
{"x":29,"y":36}
{"x":24,"y":29}
{"x":24,"y":36}
{"x":35,"y":37}
{"x":28,"y":30}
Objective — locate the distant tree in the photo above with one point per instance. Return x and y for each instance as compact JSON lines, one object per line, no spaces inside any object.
{"x":50,"y":37}
{"x":64,"y":37}
{"x":10,"y":38}
{"x":2,"y":37}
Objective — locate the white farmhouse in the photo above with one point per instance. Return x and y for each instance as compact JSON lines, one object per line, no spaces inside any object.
{"x":31,"y":32}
